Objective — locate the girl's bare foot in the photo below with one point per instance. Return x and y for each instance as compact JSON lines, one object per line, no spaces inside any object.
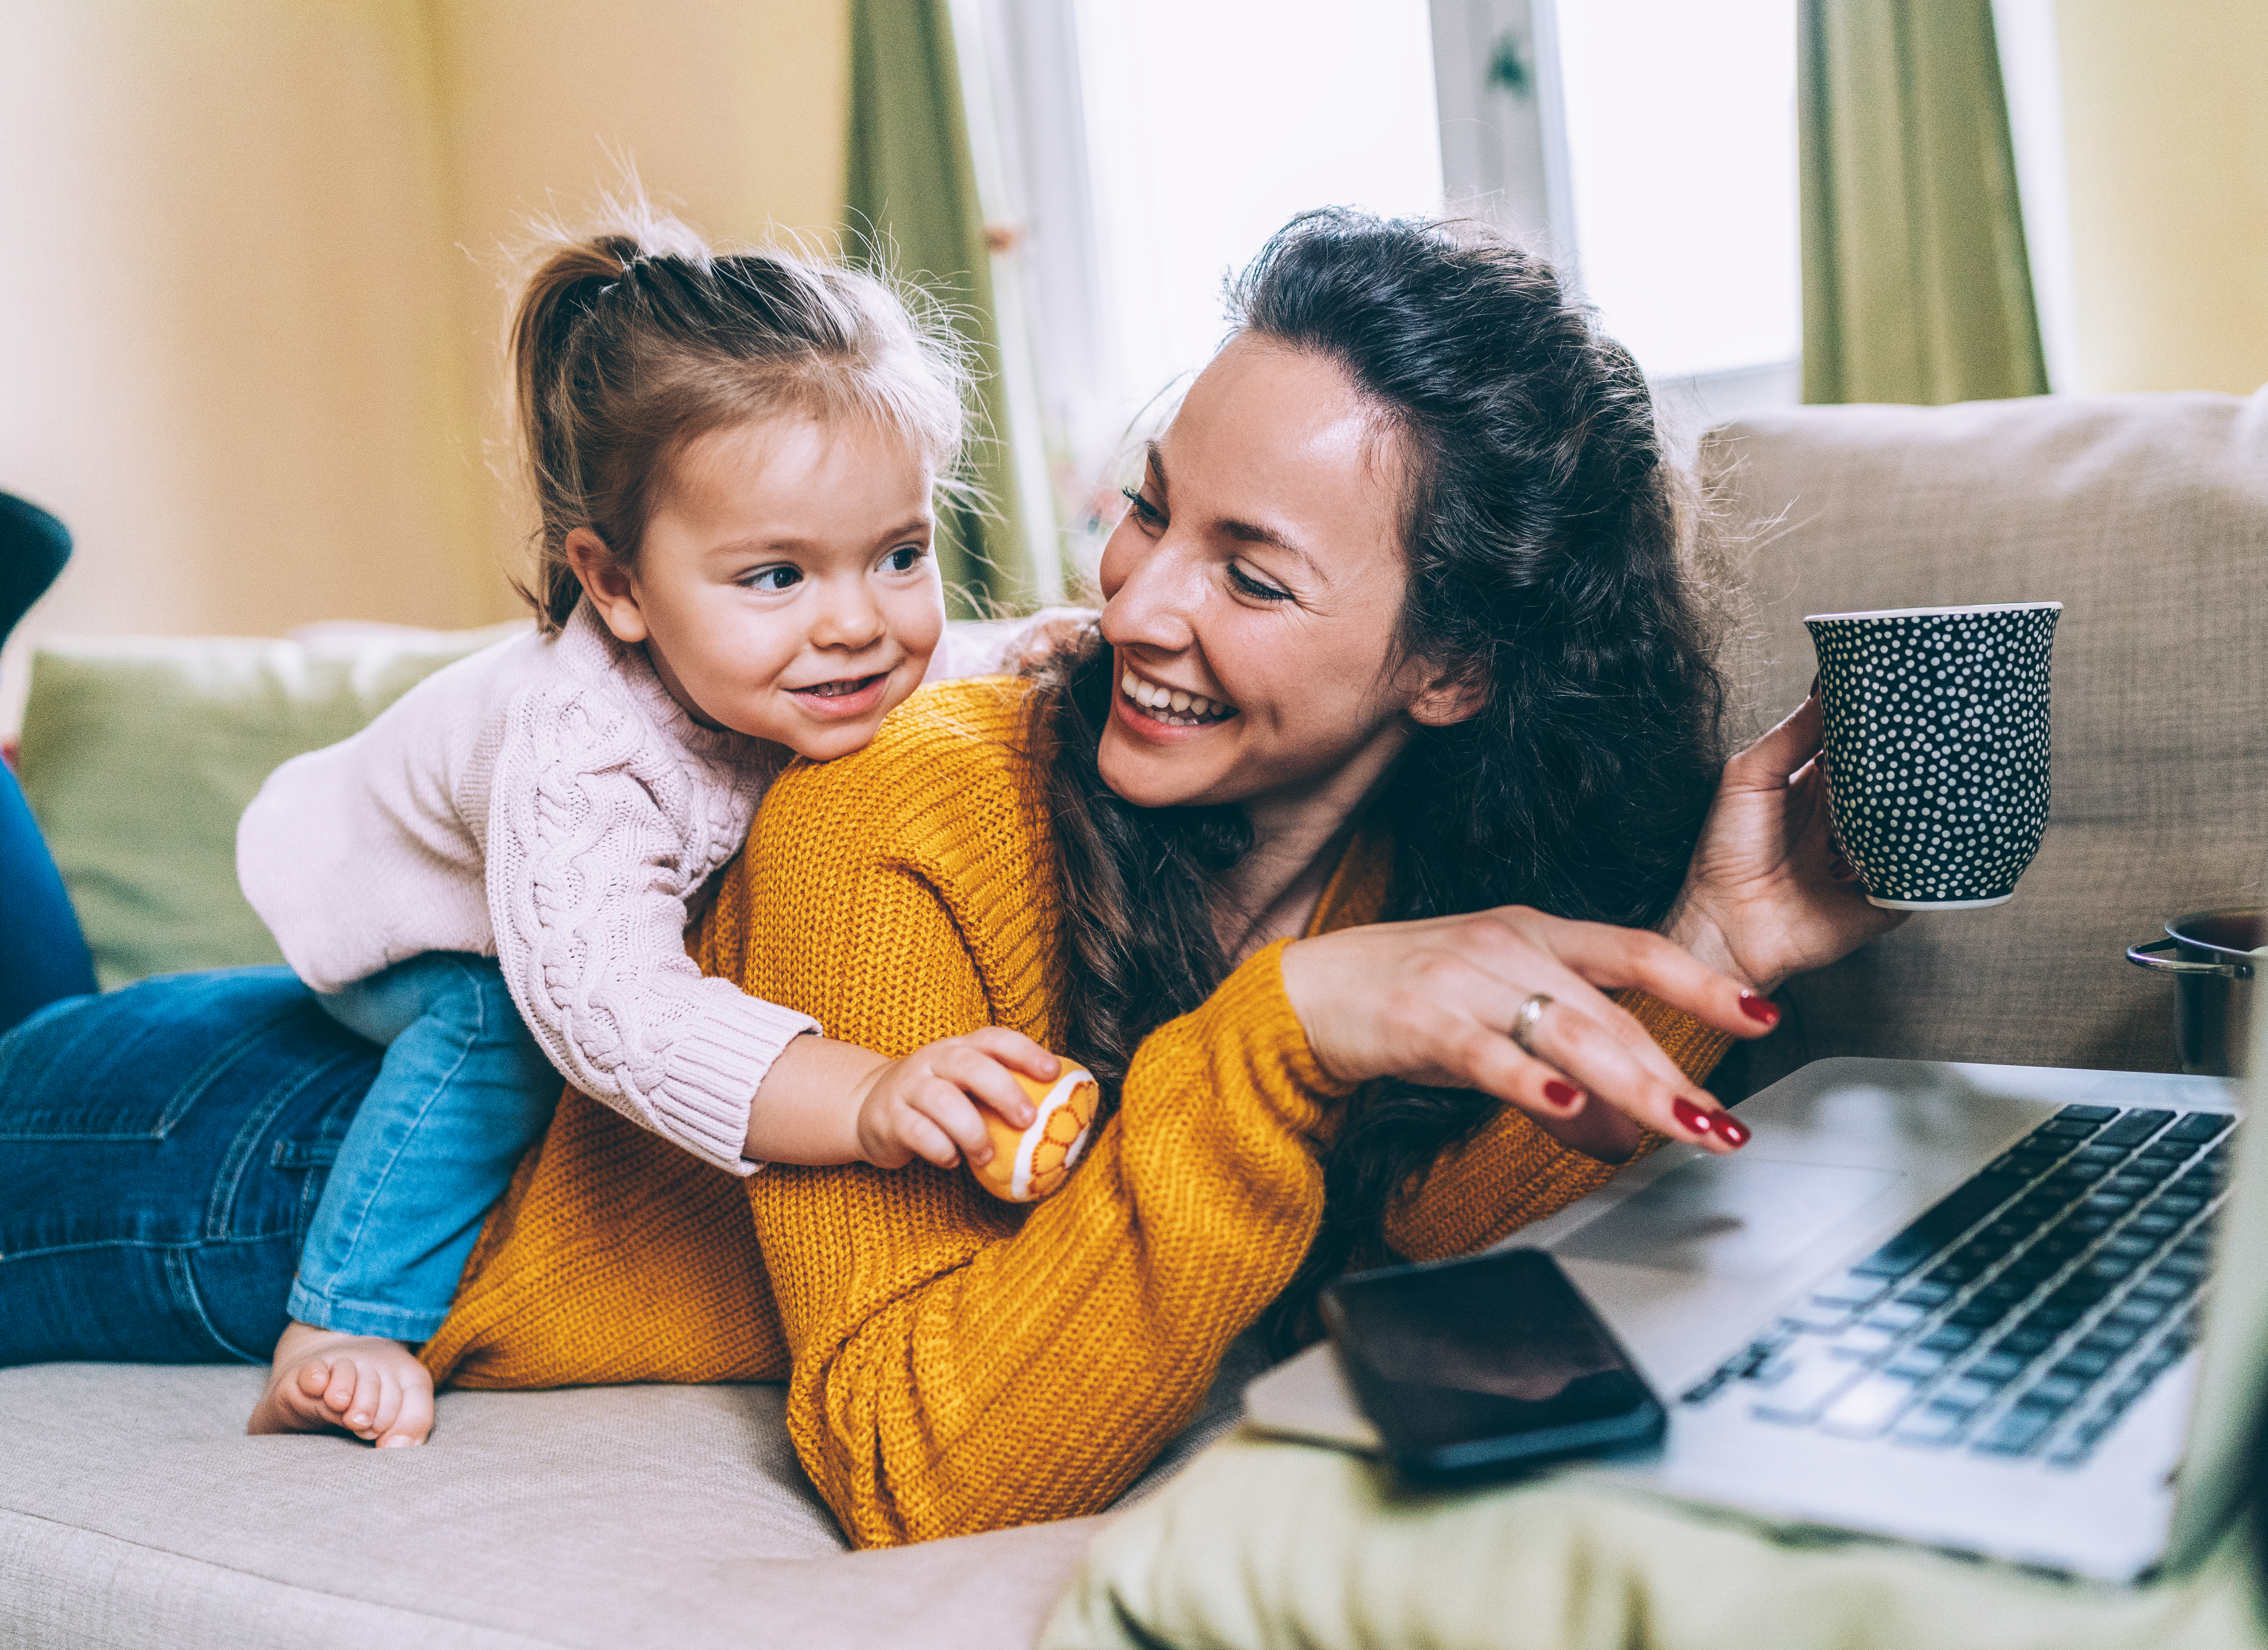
{"x":322,"y":1381}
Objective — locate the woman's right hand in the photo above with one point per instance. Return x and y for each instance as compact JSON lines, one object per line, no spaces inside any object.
{"x":1435,"y":1002}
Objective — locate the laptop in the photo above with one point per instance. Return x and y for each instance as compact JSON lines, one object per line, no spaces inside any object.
{"x":1964,"y":1306}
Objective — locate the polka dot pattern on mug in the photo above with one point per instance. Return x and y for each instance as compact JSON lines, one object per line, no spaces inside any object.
{"x":1937,"y":747}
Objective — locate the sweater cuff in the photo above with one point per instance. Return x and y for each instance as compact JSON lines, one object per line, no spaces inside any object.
{"x":1263,"y":1028}
{"x":1694,"y":1046}
{"x":716,"y":1065}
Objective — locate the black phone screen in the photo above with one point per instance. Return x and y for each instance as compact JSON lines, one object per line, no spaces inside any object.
{"x":1487,"y":1364}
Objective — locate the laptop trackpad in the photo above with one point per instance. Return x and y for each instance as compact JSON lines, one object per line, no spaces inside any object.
{"x":1727,"y":1215}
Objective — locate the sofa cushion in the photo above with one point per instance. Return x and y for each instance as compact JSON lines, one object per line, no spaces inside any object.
{"x":2147,"y":516}
{"x":139,"y":754}
{"x":134,"y":1511}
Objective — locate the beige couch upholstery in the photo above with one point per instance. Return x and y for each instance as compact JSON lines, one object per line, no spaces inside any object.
{"x":2146,"y":516}
{"x":132,"y":1511}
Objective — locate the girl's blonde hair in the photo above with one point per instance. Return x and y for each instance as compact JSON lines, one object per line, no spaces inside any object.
{"x":635,"y":339}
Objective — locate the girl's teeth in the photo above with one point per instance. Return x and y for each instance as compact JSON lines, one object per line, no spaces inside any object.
{"x":1181,"y":701}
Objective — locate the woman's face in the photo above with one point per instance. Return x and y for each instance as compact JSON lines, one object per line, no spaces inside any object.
{"x":1253,"y":589}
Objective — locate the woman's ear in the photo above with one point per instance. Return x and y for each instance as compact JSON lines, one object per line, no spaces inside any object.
{"x":1448,"y":699}
{"x":609,"y":585}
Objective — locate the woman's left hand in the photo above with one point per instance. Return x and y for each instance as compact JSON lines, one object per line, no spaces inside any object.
{"x":1768,"y":895}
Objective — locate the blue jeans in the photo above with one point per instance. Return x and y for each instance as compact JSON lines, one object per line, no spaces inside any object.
{"x":42,"y":954}
{"x":162,"y":1151}
{"x":463,"y":1093}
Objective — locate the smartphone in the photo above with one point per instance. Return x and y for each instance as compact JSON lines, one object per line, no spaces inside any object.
{"x":1487,"y":1365}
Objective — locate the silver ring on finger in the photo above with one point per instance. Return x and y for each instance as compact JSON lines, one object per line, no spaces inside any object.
{"x":1524,"y":1018}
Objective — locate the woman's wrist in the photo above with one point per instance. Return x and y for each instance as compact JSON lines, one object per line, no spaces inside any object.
{"x":1703,"y":939}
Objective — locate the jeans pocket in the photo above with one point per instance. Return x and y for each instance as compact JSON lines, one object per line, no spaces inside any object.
{"x":129,"y":1064}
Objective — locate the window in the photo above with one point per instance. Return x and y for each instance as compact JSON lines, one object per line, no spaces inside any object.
{"x":1147,"y":150}
{"x":1649,"y":146}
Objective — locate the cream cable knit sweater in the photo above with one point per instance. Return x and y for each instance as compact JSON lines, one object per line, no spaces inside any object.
{"x":547,"y":804}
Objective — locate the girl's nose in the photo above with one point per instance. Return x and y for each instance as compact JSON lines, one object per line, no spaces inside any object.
{"x":848,"y":616}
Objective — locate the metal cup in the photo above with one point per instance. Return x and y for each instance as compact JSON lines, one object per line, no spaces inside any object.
{"x":2213,"y":956}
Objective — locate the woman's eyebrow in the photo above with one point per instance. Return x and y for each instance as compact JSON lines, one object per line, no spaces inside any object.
{"x":1243,"y":532}
{"x":1251,"y":532}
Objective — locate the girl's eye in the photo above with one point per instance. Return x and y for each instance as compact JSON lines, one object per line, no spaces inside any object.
{"x":904,"y":559}
{"x":774,"y":578}
{"x":1247,"y":585}
{"x":1151,"y":519}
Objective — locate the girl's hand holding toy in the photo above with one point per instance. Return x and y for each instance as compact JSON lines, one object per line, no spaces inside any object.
{"x":1016,"y":1114}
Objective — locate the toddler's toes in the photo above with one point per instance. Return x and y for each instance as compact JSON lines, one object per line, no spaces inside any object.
{"x":343,"y":1397}
{"x":387,"y":1406}
{"x":412,"y":1424}
{"x":312,"y":1378}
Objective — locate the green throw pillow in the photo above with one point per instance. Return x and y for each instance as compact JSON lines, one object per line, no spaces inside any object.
{"x":139,"y":755}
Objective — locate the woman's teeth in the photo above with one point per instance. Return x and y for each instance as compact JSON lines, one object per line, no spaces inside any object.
{"x":1172,"y":705}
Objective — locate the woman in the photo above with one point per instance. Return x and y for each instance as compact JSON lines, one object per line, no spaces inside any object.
{"x":1395,"y":636}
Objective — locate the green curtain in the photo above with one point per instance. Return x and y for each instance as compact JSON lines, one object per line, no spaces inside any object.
{"x":912,"y":196}
{"x":1916,"y":286}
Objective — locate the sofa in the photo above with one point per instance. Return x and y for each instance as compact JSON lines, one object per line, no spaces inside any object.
{"x":133,"y":1512}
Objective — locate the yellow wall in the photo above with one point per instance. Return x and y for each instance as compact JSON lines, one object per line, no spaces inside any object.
{"x":2166,"y":122}
{"x":734,"y":112}
{"x":249,"y":330}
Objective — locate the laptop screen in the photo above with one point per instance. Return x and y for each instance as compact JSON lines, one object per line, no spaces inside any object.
{"x":2233,"y":1383}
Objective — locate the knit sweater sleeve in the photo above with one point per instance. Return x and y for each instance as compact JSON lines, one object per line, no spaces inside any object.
{"x":957,"y":1363}
{"x":587,"y":866}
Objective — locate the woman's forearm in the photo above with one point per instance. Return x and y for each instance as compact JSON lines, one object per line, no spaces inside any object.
{"x":947,"y":1383}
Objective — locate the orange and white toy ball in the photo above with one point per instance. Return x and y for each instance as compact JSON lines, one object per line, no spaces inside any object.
{"x":1028,"y":1164}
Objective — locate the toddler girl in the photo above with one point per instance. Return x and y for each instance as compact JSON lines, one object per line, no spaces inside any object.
{"x":735,"y":458}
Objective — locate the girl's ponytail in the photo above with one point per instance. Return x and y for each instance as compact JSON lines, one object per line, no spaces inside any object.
{"x":557,"y":299}
{"x":630,"y":343}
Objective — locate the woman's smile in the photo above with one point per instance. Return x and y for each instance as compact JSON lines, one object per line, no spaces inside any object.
{"x":1143,"y":701}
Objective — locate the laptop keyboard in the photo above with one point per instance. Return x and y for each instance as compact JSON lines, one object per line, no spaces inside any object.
{"x":2022,"y":1315}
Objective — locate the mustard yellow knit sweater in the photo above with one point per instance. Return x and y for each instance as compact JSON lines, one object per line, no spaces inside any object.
{"x":955,"y":1362}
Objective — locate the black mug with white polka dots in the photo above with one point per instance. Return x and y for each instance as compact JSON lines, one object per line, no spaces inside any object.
{"x":1937,"y":747}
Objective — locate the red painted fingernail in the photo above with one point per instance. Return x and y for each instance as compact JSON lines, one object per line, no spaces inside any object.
{"x":1561,"y":1093}
{"x":1730,"y":1128}
{"x":1757,"y":1007}
{"x":1690,"y":1116}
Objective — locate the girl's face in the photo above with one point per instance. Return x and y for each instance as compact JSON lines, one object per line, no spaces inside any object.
{"x":785,"y":588}
{"x":1253,"y":588}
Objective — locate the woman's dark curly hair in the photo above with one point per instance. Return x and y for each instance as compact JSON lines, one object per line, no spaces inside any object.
{"x":1541,"y":525}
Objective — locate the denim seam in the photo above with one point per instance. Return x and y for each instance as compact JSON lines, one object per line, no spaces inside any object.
{"x":186,"y":1295}
{"x":230,"y":1242}
{"x":243,"y":1150}
{"x":432,"y":1098}
{"x":401,"y":1323}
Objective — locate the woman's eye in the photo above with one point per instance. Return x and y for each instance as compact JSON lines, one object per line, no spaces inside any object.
{"x":1151,"y":519}
{"x":904,"y":559}
{"x":774,"y":578}
{"x":1247,"y":585}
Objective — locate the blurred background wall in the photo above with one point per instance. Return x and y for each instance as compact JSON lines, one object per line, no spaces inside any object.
{"x":249,"y":325}
{"x":249,"y":329}
{"x":2166,"y":134}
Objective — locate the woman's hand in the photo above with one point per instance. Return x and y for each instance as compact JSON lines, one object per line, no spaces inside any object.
{"x":1767,"y":893}
{"x":1437,"y":1002}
